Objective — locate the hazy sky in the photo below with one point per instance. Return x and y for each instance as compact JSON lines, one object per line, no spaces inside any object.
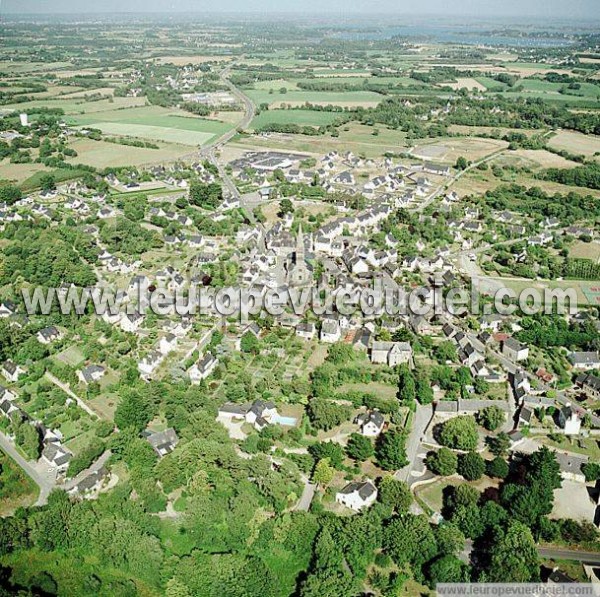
{"x":588,"y":9}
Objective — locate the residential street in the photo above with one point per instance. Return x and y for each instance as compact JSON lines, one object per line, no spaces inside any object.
{"x":421,"y":419}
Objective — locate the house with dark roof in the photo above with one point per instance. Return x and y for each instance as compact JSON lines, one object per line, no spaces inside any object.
{"x":163,"y":442}
{"x":48,"y":335}
{"x":584,"y":360}
{"x":371,"y":423}
{"x":56,"y":455}
{"x":589,"y":383}
{"x":91,"y":373}
{"x":514,"y":350}
{"x":11,"y":371}
{"x":357,"y":495}
{"x":202,"y":368}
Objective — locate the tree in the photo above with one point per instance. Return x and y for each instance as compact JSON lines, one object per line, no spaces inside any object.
{"x":328,"y":575}
{"x":249,"y":343}
{"x":47,"y":182}
{"x":498,"y":467}
{"x":460,"y":433}
{"x":10,"y":194}
{"x":461,"y":163}
{"x":359,"y":447}
{"x":133,"y":411}
{"x":326,"y":415}
{"x":395,"y":494}
{"x":471,"y":466}
{"x":286,"y":207}
{"x":330,"y":450}
{"x":499,"y":444}
{"x":443,"y":462}
{"x":591,"y":470}
{"x":424,"y":391}
{"x":391,"y":454}
{"x":450,"y":539}
{"x":323,"y":473}
{"x":409,"y":540}
{"x":491,"y":417}
{"x":406,"y":386}
{"x":447,"y":569}
{"x":206,"y":195}
{"x":445,"y":351}
{"x":513,"y":555}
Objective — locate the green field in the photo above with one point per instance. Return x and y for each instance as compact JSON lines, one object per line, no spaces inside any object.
{"x":355,"y":98}
{"x":303,"y":117}
{"x":156,"y":123}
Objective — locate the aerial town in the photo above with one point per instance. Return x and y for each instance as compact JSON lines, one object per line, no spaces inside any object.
{"x":315,"y":451}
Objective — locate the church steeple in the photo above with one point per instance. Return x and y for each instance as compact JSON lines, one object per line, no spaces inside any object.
{"x":299,"y":246}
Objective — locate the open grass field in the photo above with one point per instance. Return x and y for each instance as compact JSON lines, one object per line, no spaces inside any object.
{"x":102,"y":154}
{"x":155,"y":123}
{"x":80,"y":106}
{"x":581,"y":250}
{"x":576,"y":143}
{"x":17,"y":173}
{"x":342,"y":98}
{"x":467,"y":82}
{"x":448,"y":150}
{"x":353,"y":137}
{"x":301,"y":117}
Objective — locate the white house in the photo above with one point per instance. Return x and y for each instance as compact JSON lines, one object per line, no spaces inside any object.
{"x":331,"y":331}
{"x":569,"y":420}
{"x":11,"y":371}
{"x":203,"y":368}
{"x":391,"y":353}
{"x":371,"y":423}
{"x":167,"y":343}
{"x":357,"y":496}
{"x":584,"y":360}
{"x":131,"y":322}
{"x":91,"y":373}
{"x":515,"y":351}
{"x":306,"y":330}
{"x":259,"y":413}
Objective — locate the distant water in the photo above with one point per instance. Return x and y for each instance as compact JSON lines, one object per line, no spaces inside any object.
{"x":471,"y":35}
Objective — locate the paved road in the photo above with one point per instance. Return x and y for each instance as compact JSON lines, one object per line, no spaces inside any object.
{"x":45,"y":481}
{"x":307,"y":496}
{"x":420,"y":421}
{"x":553,"y":553}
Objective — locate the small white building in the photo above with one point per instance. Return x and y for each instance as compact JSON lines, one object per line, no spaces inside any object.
{"x":331,"y":331}
{"x":203,"y":368}
{"x":371,"y":423}
{"x":569,"y":420}
{"x":514,"y":350}
{"x":357,"y":495}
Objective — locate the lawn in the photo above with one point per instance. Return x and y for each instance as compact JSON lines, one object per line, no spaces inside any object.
{"x":71,"y":356}
{"x":581,"y":250}
{"x":102,"y":154}
{"x":576,"y":143}
{"x":301,"y":117}
{"x":16,"y":488}
{"x":342,"y":98}
{"x":156,"y":123}
{"x":358,"y":138}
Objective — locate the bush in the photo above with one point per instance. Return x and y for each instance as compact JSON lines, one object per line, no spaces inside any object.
{"x":471,"y":466}
{"x":497,"y":467}
{"x":460,"y":433}
{"x":443,"y":462}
